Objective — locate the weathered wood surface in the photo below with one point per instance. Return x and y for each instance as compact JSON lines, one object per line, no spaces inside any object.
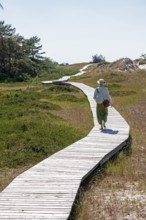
{"x":48,"y":190}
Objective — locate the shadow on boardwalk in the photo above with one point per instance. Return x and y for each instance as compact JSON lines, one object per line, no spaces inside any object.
{"x":109,"y":131}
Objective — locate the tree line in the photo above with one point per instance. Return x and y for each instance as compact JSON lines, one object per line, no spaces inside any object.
{"x":20,"y":58}
{"x":98,"y":58}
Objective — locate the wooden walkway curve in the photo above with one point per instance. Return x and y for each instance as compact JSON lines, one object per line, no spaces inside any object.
{"x":48,"y":190}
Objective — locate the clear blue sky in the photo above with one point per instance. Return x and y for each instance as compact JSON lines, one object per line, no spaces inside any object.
{"x":73,"y":31}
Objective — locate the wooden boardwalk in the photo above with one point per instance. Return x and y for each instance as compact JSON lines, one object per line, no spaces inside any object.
{"x":48,"y":190}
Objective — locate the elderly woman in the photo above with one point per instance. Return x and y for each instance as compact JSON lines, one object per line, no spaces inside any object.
{"x":102,"y":111}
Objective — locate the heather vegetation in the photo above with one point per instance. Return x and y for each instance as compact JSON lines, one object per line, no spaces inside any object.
{"x":36,"y":121}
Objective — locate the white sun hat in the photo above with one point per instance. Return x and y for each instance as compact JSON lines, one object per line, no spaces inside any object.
{"x":101,"y":81}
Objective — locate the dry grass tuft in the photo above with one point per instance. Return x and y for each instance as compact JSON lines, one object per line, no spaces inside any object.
{"x":8,"y":174}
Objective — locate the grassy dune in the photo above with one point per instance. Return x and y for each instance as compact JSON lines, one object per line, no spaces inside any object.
{"x":118,"y":190}
{"x":36,"y":121}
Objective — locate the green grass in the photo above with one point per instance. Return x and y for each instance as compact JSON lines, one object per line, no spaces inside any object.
{"x":58,"y":72}
{"x":36,"y":121}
